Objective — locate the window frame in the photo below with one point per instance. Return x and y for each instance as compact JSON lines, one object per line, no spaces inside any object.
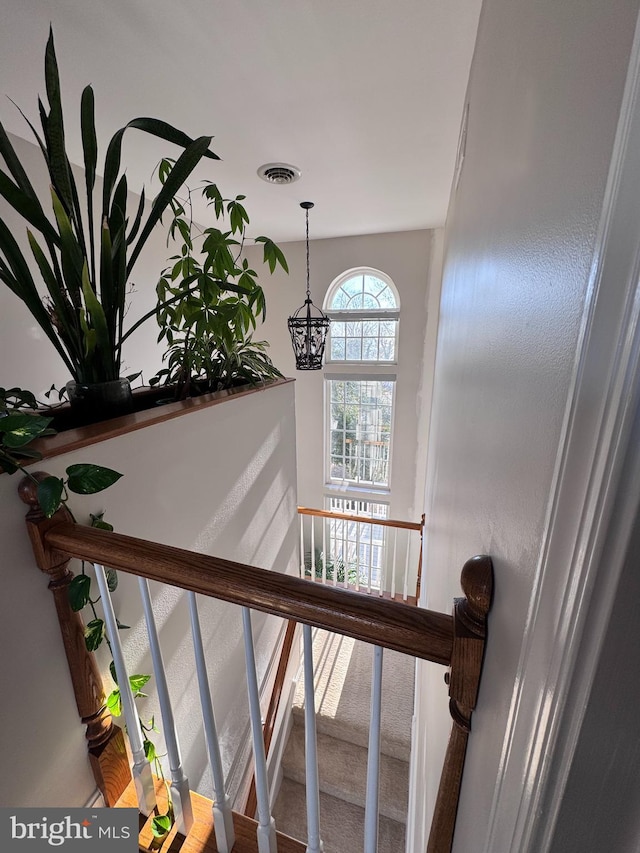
{"x":349,"y":489}
{"x":360,"y":315}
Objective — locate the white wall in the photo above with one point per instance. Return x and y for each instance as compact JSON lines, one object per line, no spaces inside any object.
{"x":522,"y":243}
{"x":218,"y":481}
{"x":406,"y":258}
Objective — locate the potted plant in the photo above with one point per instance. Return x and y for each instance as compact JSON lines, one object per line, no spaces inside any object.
{"x":85,"y":264}
{"x":209,"y":299}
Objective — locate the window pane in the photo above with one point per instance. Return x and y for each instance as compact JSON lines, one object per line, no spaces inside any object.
{"x":354,"y":349}
{"x":370,"y":349}
{"x":387,"y":349}
{"x":360,"y":437}
{"x":338,"y":349}
{"x":340,"y":300}
{"x":353,"y":286}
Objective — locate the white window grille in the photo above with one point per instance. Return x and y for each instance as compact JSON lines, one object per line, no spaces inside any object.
{"x":364,"y":308}
{"x":359,"y":431}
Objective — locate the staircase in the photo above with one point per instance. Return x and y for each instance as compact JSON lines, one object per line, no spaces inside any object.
{"x":342,"y":668}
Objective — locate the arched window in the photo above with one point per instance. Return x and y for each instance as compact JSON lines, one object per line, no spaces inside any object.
{"x":364,"y":307}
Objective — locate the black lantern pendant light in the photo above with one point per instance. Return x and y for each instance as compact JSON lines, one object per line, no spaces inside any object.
{"x":309,"y":325}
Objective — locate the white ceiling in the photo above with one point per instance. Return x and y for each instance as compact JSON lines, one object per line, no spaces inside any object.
{"x":364,"y":96}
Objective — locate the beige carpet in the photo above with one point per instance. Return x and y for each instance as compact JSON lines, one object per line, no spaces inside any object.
{"x":342,"y":669}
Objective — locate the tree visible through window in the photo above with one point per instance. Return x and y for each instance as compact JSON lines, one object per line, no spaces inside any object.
{"x":360,"y":431}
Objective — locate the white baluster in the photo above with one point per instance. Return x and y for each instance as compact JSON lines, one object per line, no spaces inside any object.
{"x":314,"y":844}
{"x":141,"y":770}
{"x":393,"y":564}
{"x":266,"y":833}
{"x":384,"y":562}
{"x":302,"y":545}
{"x":370,"y":557}
{"x":222,"y":817}
{"x":313,"y":547}
{"x":324,"y":549}
{"x":345,"y":550}
{"x":373,"y":760}
{"x":405,"y":591}
{"x":180,"y":794}
{"x":357,"y":523}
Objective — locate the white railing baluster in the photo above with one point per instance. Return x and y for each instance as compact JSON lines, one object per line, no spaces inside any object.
{"x":324,"y":550}
{"x":314,"y":844}
{"x":180,"y":793}
{"x":222,"y":817}
{"x":266,"y":832}
{"x":405,"y":590}
{"x":302,"y":569}
{"x":313,"y":547}
{"x":358,"y":555}
{"x":373,"y":760}
{"x":393,"y":563}
{"x":141,"y":769}
{"x":370,"y":557}
{"x":345,"y":550}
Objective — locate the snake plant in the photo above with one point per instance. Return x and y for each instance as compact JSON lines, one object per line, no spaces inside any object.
{"x":85,"y":266}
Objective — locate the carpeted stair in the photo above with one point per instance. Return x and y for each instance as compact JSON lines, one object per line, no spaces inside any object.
{"x":342,"y":670}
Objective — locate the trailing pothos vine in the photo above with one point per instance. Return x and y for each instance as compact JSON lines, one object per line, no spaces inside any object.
{"x":20,"y":425}
{"x":80,"y":597}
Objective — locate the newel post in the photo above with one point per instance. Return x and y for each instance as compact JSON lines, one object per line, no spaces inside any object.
{"x":106,"y":746}
{"x":463,"y":678}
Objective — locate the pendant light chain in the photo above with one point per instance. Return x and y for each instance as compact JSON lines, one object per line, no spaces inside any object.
{"x":309,"y":325}
{"x":308,"y":286}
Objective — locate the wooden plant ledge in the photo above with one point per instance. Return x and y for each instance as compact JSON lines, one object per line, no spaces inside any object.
{"x":201,"y":838}
{"x":79,"y":437}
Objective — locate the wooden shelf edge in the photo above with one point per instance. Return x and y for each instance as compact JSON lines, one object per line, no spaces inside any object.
{"x":79,"y":437}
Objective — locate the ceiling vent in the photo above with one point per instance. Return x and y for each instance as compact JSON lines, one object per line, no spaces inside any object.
{"x":279,"y":173}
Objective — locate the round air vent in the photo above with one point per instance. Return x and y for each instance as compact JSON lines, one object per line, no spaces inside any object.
{"x":279,"y":173}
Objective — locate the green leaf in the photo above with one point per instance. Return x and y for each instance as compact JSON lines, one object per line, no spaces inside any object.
{"x":50,"y":495}
{"x":111,"y":575}
{"x":272,"y":254}
{"x":137,"y":682}
{"x":93,"y":634}
{"x":87,"y":479}
{"x":161,"y":825}
{"x":19,"y":429}
{"x":89,"y":139}
{"x":149,"y":750}
{"x":99,"y":522}
{"x":114,"y":703}
{"x":185,"y":164}
{"x":79,"y":592}
{"x":122,"y":627}
{"x":112,"y":670}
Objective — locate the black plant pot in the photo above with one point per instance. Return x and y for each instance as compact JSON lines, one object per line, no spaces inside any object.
{"x":95,"y":402}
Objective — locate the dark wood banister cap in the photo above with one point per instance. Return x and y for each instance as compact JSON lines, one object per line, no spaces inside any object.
{"x":411,"y":630}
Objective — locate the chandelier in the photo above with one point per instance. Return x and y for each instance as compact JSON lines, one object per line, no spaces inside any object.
{"x":309,"y":325}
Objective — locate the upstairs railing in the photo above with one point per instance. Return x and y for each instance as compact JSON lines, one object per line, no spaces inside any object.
{"x":454,"y":641}
{"x":373,"y":554}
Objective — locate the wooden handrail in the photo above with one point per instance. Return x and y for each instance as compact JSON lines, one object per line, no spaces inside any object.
{"x":456,"y":641}
{"x":422,"y":633}
{"x":383,"y":522}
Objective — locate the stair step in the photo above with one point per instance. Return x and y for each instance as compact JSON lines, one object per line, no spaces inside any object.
{"x":342,"y":675}
{"x":341,"y":824}
{"x":342,"y":772}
